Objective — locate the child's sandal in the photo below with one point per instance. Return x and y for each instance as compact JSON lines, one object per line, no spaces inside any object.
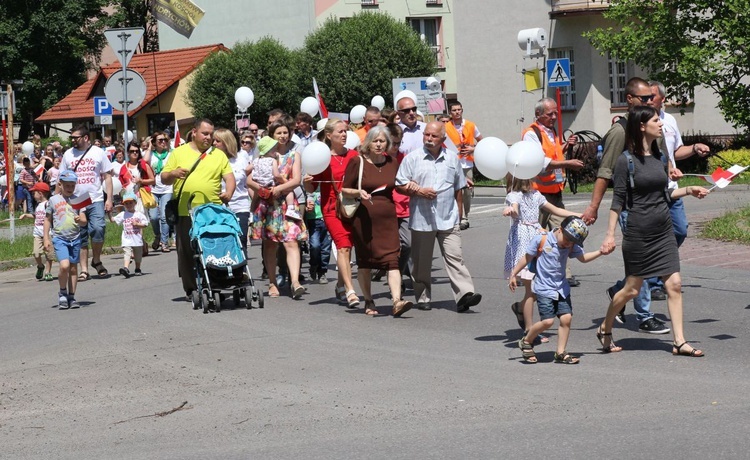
{"x":565,"y":358}
{"x":527,"y":350}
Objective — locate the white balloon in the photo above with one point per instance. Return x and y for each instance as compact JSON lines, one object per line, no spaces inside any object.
{"x":28,"y":148}
{"x":489,"y":157}
{"x":403,"y":94}
{"x":357,"y":114}
{"x":316,"y":157}
{"x":378,"y":102}
{"x":310,"y":106}
{"x":352,"y":140}
{"x":321,"y":124}
{"x":128,"y":137}
{"x":116,"y":185}
{"x":244,"y":98}
{"x":525,"y":159}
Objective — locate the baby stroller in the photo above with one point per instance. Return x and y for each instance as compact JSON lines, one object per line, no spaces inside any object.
{"x":220,"y":265}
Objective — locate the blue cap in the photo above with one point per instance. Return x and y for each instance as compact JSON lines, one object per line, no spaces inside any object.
{"x":129,"y":196}
{"x":68,"y":176}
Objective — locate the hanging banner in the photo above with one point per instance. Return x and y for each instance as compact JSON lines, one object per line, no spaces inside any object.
{"x":181,"y":15}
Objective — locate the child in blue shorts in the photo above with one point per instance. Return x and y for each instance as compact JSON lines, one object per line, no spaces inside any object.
{"x":550,"y":285}
{"x":65,"y":222}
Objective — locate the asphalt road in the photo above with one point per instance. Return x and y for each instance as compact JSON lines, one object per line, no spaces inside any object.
{"x":310,"y":379}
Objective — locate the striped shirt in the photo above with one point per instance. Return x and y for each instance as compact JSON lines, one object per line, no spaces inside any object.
{"x":444,"y":175}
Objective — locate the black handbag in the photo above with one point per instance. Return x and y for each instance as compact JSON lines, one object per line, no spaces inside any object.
{"x":173,"y":205}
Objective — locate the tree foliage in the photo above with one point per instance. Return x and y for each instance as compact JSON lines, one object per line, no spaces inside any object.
{"x":266,"y":66}
{"x":356,"y":59}
{"x":685,"y":44}
{"x":136,"y":13}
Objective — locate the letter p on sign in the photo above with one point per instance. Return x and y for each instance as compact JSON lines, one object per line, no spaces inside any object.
{"x":102,"y":107}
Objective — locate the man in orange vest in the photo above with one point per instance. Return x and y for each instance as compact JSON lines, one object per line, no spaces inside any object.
{"x":372,"y":118}
{"x":551,"y":181}
{"x":465,"y":136}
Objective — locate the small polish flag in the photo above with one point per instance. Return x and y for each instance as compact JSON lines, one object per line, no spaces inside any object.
{"x":177,"y":139}
{"x":39,"y":170}
{"x":379,"y":189}
{"x":80,"y":201}
{"x":323,"y":109}
{"x":721,"y":178}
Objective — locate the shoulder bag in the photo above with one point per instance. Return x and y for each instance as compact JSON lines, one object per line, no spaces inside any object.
{"x":173,"y":205}
{"x":346,"y":207}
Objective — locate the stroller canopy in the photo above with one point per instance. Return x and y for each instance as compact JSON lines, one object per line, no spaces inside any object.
{"x":214,"y":219}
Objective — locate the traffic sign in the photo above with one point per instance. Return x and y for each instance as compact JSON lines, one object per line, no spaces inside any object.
{"x":103,"y":120}
{"x":102,"y":106}
{"x":558,"y":73}
{"x":124,"y":42}
{"x":136,"y":90}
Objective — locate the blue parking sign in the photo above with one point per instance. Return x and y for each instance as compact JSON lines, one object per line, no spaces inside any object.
{"x":102,"y":106}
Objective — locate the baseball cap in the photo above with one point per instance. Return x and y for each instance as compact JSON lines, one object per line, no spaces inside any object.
{"x":68,"y":176}
{"x":40,"y":187}
{"x":129,"y":196}
{"x":574,"y":229}
{"x":265,"y":144}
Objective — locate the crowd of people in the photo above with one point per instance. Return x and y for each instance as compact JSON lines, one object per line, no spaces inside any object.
{"x":380,"y":207}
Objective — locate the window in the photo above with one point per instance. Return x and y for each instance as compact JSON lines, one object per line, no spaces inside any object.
{"x":568,"y":93}
{"x":429,"y":30}
{"x":369,"y":3}
{"x":619,"y":74}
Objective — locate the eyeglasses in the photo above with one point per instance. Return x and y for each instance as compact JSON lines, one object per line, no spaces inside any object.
{"x":253,"y":130}
{"x":161,"y":139}
{"x":245,"y":142}
{"x":408,"y":109}
{"x":134,"y":151}
{"x":644,"y":99}
{"x":75,"y":138}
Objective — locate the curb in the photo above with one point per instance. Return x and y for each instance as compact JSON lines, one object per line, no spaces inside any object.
{"x":26,"y":262}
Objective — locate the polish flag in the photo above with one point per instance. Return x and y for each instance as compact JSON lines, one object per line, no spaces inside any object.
{"x":177,"y":139}
{"x":319,"y":97}
{"x":80,"y":201}
{"x":39,"y":170}
{"x":721,"y":178}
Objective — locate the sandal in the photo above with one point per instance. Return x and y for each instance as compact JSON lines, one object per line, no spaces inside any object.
{"x":565,"y":358}
{"x":84,"y":276}
{"x":340,"y":293}
{"x":352,"y":299}
{"x":527,"y":350}
{"x":100,"y":270}
{"x":516,"y":308}
{"x":611,"y":348}
{"x":48,"y":277}
{"x":297,"y":292}
{"x":540,"y":338}
{"x":370,"y":309}
{"x":39,"y":272}
{"x":273,"y":291}
{"x":400,"y":307}
{"x":694,"y":353}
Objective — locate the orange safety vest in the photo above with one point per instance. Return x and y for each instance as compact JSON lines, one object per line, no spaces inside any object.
{"x":552,"y":181}
{"x":466,"y":136}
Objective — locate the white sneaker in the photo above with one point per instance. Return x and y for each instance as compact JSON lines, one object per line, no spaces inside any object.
{"x":293,"y":214}
{"x":62,"y":303}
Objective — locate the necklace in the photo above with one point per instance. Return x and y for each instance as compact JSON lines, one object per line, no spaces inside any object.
{"x":377,"y":165}
{"x":340,"y":159}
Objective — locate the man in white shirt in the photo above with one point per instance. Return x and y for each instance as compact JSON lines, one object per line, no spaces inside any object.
{"x":413,"y":129}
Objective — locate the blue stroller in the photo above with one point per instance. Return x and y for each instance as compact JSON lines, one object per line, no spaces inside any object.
{"x":220,"y":265}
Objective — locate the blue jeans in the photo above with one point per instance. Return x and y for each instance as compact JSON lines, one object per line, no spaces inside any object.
{"x":22,"y":194}
{"x":320,"y":246}
{"x":96,"y":225}
{"x":680,"y":227}
{"x":159,"y":219}
{"x":642,"y":301}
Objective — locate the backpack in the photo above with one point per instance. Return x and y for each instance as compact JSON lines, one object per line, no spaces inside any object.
{"x":622,"y":121}
{"x":531,"y":266}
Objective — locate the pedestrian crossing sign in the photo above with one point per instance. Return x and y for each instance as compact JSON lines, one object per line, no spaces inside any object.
{"x":558,"y":73}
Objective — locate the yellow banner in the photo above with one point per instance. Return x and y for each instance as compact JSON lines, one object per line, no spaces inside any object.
{"x":181,"y":15}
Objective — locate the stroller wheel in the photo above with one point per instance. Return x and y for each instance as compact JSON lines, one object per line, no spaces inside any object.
{"x":195,"y":299}
{"x":217,"y":302}
{"x":248,"y":298}
{"x":260,"y":299}
{"x":204,"y":301}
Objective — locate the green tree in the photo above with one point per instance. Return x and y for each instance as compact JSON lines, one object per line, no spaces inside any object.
{"x":356,"y":59}
{"x":136,"y":13}
{"x":266,"y":67}
{"x":49,"y":44}
{"x":684,"y":44}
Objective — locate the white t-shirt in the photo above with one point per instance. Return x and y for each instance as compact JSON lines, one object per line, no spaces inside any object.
{"x":240,"y":201}
{"x":39,"y":215}
{"x":158,"y":187}
{"x":131,"y":236}
{"x":672,"y":138}
{"x":95,"y":164}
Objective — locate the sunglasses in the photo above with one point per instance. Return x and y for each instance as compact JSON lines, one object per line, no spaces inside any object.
{"x":644,"y":99}
{"x":408,"y":109}
{"x":161,"y":139}
{"x":253,"y":130}
{"x":134,"y":151}
{"x":246,"y":142}
{"x":75,"y":138}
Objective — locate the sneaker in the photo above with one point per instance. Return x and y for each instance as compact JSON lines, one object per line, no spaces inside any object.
{"x":39,"y":272}
{"x":464,"y":224}
{"x":653,"y":326}
{"x":620,"y":317}
{"x":138,"y":272}
{"x":73,"y":302}
{"x":322,"y":279}
{"x":293,"y":214}
{"x":48,"y":277}
{"x":658,"y":294}
{"x":573,"y":282}
{"x":125,"y":272}
{"x":62,"y":303}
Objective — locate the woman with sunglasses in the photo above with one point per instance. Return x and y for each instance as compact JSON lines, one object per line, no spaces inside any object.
{"x":162,"y":193}
{"x":134,"y":175}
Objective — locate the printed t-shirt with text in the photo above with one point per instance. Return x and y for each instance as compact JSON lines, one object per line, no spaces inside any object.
{"x":89,"y":173}
{"x":131,"y":236}
{"x":39,"y":215}
{"x":63,"y":215}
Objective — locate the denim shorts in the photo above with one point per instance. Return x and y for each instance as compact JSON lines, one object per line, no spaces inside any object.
{"x":549,"y":308}
{"x":67,"y":250}
{"x":95,"y":227}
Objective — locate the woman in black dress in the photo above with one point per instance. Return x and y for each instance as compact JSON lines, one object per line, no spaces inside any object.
{"x":375,"y":225}
{"x":649,"y":247}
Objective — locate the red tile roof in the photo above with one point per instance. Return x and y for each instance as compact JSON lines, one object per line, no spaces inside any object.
{"x":172,"y":66}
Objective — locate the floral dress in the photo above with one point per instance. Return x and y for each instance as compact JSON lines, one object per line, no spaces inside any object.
{"x":523,"y":228}
{"x":269,"y":219}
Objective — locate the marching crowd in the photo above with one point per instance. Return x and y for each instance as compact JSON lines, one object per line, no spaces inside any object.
{"x":406,"y":187}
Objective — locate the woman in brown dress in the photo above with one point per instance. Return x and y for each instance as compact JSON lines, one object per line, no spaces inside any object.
{"x":375,"y":225}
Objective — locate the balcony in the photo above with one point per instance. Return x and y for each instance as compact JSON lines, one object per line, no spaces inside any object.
{"x":562,"y":8}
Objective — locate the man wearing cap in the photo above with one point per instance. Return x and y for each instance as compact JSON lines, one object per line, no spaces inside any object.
{"x":412,"y":140}
{"x":203,"y":185}
{"x":94,"y":172}
{"x":433,"y":179}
